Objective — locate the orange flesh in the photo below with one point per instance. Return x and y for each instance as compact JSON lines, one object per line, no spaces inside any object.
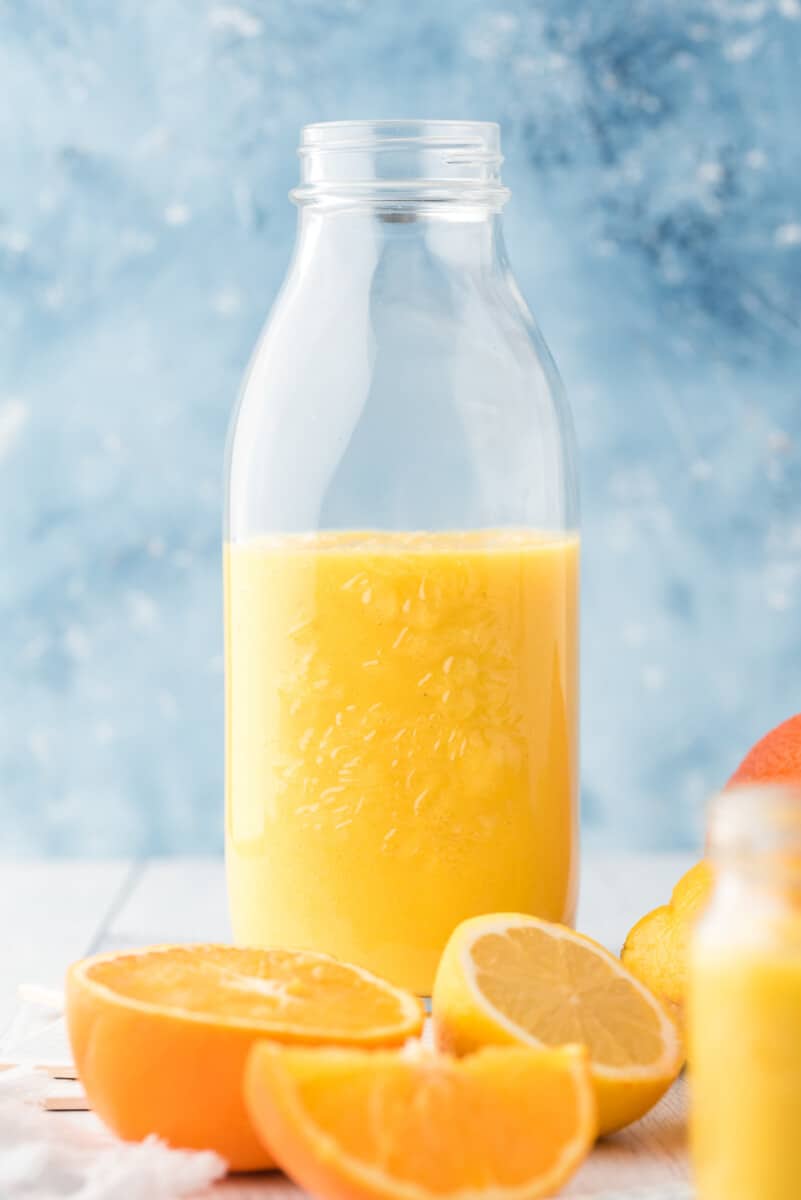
{"x":161,"y":1037}
{"x":500,"y":1118}
{"x":271,"y":988}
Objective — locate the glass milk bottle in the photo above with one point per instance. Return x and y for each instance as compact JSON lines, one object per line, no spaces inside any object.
{"x":401,"y":569}
{"x":744,"y":1010}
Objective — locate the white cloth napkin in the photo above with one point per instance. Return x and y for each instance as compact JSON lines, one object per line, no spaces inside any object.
{"x":46,"y":1156}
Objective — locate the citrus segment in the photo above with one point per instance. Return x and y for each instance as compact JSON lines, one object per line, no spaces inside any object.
{"x":510,"y":1124}
{"x":513,"y":979}
{"x":160,"y":1036}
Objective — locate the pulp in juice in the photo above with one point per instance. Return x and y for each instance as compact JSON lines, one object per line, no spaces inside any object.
{"x":401,"y":739}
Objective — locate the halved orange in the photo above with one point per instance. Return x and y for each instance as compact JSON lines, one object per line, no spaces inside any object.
{"x":507,"y":1124}
{"x":160,"y":1036}
{"x":510,"y":979}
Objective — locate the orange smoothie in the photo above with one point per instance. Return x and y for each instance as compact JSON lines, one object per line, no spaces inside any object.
{"x":401,"y":739}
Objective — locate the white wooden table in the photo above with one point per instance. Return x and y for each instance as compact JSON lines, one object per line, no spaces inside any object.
{"x":53,"y":912}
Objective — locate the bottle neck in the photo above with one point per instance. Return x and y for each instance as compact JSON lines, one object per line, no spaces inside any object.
{"x":373,"y":191}
{"x":754,"y":842}
{"x":464,"y":238}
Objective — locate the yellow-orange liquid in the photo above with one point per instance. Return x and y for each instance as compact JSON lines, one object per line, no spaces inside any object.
{"x":745,"y":1056}
{"x":401,"y":739}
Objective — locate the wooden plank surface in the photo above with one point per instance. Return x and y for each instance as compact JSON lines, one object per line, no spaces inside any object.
{"x":173,"y":900}
{"x":648,"y":1161}
{"x":51,"y":913}
{"x":185,"y":900}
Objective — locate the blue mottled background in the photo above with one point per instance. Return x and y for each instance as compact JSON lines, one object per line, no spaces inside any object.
{"x":146,"y":150}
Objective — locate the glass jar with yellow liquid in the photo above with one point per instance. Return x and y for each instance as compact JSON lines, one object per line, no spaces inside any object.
{"x":401,"y":569}
{"x":745,"y":1002}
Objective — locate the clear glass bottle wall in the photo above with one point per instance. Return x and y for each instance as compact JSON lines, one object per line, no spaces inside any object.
{"x":401,"y":568}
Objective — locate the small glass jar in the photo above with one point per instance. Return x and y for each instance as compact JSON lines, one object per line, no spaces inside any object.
{"x":744,"y":1016}
{"x":401,"y":569}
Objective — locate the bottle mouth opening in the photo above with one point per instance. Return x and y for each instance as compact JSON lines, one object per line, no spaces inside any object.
{"x":406,"y":161}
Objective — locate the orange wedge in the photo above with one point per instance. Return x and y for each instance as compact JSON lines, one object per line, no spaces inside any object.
{"x":160,"y":1036}
{"x":384,"y":1125}
{"x":515,"y":980}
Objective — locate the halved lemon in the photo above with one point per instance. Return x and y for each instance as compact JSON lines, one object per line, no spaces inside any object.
{"x":514,"y":980}
{"x":160,"y":1036}
{"x":504,"y":1124}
